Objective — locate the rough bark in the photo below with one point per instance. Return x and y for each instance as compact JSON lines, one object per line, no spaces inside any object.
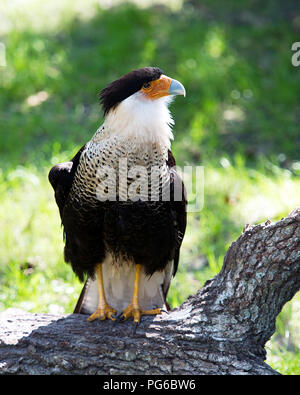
{"x":220,"y":330}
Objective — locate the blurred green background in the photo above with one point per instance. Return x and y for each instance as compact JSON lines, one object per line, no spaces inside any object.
{"x":240,"y":120}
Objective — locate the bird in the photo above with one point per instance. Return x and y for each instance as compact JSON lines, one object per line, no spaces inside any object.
{"x":122,"y":203}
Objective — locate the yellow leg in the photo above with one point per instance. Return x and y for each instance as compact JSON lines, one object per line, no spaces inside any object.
{"x":134,"y":310}
{"x":104,"y":310}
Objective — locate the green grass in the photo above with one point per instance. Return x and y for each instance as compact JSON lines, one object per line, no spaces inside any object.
{"x":239,"y":120}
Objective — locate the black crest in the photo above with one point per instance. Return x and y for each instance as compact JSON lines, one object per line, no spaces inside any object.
{"x":126,"y":86}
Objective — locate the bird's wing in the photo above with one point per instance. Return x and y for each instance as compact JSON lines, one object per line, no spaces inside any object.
{"x":61,"y":177}
{"x":179,"y":203}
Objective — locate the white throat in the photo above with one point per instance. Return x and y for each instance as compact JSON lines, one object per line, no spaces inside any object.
{"x":142,"y":119}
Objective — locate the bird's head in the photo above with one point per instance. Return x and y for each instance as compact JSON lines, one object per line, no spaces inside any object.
{"x":136,"y":106}
{"x":147,"y":84}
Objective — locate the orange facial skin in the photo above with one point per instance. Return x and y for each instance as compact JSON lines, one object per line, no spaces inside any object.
{"x":158,"y":88}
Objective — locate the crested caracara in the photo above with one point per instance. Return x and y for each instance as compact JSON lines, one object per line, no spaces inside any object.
{"x":122,"y":203}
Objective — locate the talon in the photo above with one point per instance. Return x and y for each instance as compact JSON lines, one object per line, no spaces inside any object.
{"x":103,"y":313}
{"x":135,"y":328}
{"x":111,"y":314}
{"x":117,"y":320}
{"x":164,"y":311}
{"x":136,"y":312}
{"x":123,"y":318}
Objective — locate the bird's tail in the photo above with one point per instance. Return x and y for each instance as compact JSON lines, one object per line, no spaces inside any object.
{"x":118,"y":283}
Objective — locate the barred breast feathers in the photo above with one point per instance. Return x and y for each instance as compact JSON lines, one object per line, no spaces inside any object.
{"x":138,"y":130}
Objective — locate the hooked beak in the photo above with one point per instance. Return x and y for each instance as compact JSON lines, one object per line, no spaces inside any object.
{"x":176,"y":88}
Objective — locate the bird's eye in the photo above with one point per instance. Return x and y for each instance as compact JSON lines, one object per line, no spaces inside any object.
{"x":146,"y":85}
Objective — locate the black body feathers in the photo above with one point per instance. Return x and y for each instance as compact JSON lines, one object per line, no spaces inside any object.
{"x":149,"y":233}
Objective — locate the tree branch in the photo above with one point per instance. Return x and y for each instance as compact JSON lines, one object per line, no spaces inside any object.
{"x":220,"y":330}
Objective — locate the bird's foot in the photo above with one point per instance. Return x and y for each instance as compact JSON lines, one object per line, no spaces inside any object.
{"x":103,"y":312}
{"x":136,"y":312}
